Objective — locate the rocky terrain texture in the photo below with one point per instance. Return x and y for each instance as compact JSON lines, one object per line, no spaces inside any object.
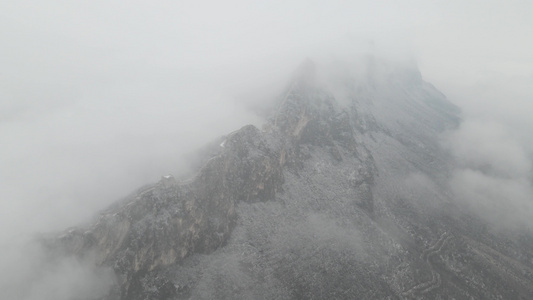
{"x":343,"y":194}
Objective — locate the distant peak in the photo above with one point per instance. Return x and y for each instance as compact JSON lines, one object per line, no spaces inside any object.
{"x":306,"y":72}
{"x":307,"y":66}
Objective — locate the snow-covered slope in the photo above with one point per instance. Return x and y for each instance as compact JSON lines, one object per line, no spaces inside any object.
{"x":342,"y":195}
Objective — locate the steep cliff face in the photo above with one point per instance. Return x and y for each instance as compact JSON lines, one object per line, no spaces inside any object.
{"x":332,"y":199}
{"x":164,"y":223}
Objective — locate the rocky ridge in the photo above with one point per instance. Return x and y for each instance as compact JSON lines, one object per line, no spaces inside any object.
{"x":330,"y":200}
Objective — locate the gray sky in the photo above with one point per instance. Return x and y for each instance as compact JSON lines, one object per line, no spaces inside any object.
{"x":100,"y":97}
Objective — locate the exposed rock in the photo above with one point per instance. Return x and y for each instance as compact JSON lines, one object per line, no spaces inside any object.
{"x":317,"y":205}
{"x":168,"y":181}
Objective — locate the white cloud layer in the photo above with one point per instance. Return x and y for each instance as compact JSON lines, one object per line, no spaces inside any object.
{"x":489,"y":146}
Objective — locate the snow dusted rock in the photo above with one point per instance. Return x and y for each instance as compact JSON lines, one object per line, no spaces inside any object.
{"x":168,"y":181}
{"x":342,"y":195}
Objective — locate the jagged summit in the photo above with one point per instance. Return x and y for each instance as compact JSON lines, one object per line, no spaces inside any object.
{"x":305,"y":74}
{"x":341,"y":196}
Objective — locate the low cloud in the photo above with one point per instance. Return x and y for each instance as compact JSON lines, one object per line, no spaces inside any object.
{"x":28,"y":273}
{"x":493,"y":178}
{"x":503,"y":202}
{"x":490,"y":147}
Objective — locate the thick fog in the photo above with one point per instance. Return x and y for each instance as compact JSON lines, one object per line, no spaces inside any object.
{"x":98,"y":98}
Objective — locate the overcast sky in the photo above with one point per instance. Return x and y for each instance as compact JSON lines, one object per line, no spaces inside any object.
{"x":100,"y":97}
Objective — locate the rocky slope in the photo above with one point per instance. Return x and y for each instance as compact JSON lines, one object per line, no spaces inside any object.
{"x":342,"y":195}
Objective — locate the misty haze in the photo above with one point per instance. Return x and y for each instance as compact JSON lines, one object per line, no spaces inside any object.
{"x":277,"y":150}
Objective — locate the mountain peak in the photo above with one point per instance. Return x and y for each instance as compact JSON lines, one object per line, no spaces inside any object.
{"x":305,"y":73}
{"x":335,"y":198}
